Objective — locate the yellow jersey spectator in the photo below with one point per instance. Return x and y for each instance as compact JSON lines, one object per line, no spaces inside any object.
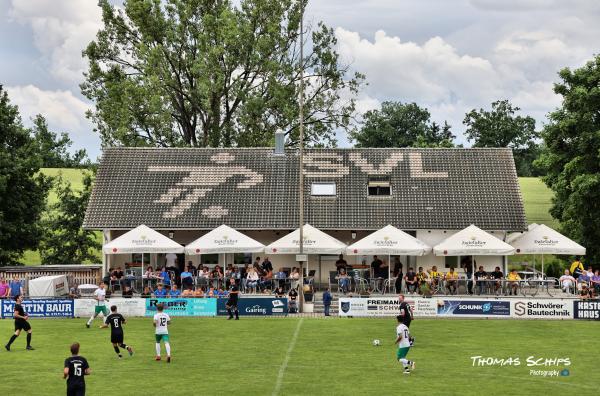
{"x":513,"y":283}
{"x":576,"y":268}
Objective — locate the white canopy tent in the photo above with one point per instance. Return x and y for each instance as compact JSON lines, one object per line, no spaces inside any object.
{"x":142,"y":239}
{"x":544,"y":240}
{"x":49,"y":286}
{"x":514,"y":235}
{"x":389,"y":241}
{"x":473,"y":241}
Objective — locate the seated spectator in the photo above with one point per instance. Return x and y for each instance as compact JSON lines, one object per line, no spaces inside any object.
{"x":422,"y":278}
{"x":584,"y":278}
{"x":252,"y":279}
{"x":187,"y":279}
{"x":266,"y":282}
{"x":497,"y":275}
{"x":211,"y":293}
{"x":222,"y":293}
{"x":293,"y":301}
{"x":160,"y":291}
{"x":187,"y":292}
{"x":149,"y":274}
{"x":343,"y":280}
{"x":147,"y":293}
{"x":174,"y":292}
{"x":279,"y":293}
{"x":228,"y":271}
{"x":513,"y":282}
{"x":434,"y":276}
{"x":585,"y":292}
{"x":480,"y":277}
{"x":567,"y":282}
{"x":341,"y":263}
{"x":452,"y":281}
{"x":73,"y":292}
{"x":595,"y":283}
{"x":411,"y":281}
{"x":127,"y":292}
{"x":199,"y":292}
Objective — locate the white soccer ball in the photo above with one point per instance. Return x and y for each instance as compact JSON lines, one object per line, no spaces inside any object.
{"x":376,"y":342}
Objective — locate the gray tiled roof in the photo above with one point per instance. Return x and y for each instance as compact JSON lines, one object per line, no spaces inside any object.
{"x":254,"y":189}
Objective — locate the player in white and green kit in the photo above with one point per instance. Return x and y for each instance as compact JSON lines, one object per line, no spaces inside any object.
{"x":100,"y":297}
{"x":403,"y":341}
{"x":161,"y":321}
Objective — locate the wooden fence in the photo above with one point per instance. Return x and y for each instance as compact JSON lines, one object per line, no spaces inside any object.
{"x":76,"y":274}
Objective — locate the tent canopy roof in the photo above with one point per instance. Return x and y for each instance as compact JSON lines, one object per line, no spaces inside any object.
{"x":472,"y":241}
{"x":142,"y":239}
{"x":315,"y":242}
{"x":543,"y":239}
{"x":224,"y":239}
{"x":389,"y":240}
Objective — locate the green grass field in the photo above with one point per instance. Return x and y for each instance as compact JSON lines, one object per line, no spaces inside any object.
{"x":330,"y":357}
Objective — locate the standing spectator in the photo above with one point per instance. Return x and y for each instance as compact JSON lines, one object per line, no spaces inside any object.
{"x":170,"y":260}
{"x":293,"y":300}
{"x":266,"y":265}
{"x":398,"y":284}
{"x":4,"y":288}
{"x":480,"y":277}
{"x":467,"y":264}
{"x":452,"y":281}
{"x":397,"y":267}
{"x":343,"y":280}
{"x":191,"y":267}
{"x":187,"y":279}
{"x":595,"y":283}
{"x":16,"y":287}
{"x":327,"y":300}
{"x":411,"y":281}
{"x":576,"y":268}
{"x":497,"y":275}
{"x":341,"y":263}
{"x":379,"y":271}
{"x":165,"y":277}
{"x":256,"y":262}
{"x":567,"y":282}
{"x":295,"y":276}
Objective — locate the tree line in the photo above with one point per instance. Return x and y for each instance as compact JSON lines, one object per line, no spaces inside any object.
{"x":221,"y":74}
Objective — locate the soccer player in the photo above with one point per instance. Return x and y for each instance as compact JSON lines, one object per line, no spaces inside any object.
{"x":116,"y":321}
{"x":402,"y":339}
{"x":76,"y":367}
{"x":406,"y":314}
{"x":232,"y":302}
{"x":21,"y":323}
{"x":161,"y":321}
{"x":100,"y":297}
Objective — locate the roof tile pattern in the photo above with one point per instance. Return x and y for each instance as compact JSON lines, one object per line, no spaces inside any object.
{"x":255,"y":189}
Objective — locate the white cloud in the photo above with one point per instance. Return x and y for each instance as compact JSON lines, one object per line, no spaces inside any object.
{"x":61,"y":108}
{"x":61,"y":30}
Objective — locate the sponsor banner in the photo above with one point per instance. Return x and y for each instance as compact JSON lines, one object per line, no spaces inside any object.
{"x":542,"y":309}
{"x":84,"y":307}
{"x":384,"y":306}
{"x":586,"y":310}
{"x":183,"y":306}
{"x":40,"y":308}
{"x":256,"y":306}
{"x":472,"y":308}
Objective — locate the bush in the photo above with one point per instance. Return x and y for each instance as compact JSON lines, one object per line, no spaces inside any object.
{"x":555,"y":268}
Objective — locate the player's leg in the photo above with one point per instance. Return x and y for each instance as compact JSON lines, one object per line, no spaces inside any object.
{"x":12,"y":338}
{"x":167,"y":347}
{"x":116,"y":348}
{"x":157,"y":345}
{"x":94,"y":315}
{"x":29,"y":347}
{"x":237,"y":314}
{"x":229,"y":311}
{"x":401,"y":355}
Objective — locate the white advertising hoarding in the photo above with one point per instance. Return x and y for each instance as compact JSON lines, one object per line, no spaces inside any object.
{"x":385,"y":306}
{"x":542,"y":309}
{"x":84,"y":307}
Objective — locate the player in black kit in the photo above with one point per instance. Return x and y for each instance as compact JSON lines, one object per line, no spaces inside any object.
{"x":116,"y":321}
{"x":406,"y":314}
{"x":21,"y":323}
{"x":76,"y":367}
{"x":232,"y":302}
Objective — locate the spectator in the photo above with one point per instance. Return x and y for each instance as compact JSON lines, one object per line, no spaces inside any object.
{"x":146,"y":293}
{"x":191,"y":267}
{"x":434,"y":276}
{"x":256,"y":262}
{"x":187,"y":292}
{"x":211,"y":293}
{"x":199,"y":292}
{"x":187,"y":279}
{"x":293,"y":300}
{"x":127,"y":292}
{"x":422,"y":278}
{"x":585,"y":292}
{"x":74,"y":292}
{"x":295,"y":276}
{"x":452,"y":281}
{"x":266,"y":265}
{"x":4,"y":288}
{"x":149,"y":274}
{"x":252,"y":279}
{"x":567,"y":282}
{"x":397,"y":268}
{"x":468,"y":266}
{"x":513,"y":282}
{"x":411,"y":281}
{"x":170,"y":260}
{"x":165,"y":277}
{"x":221,"y":293}
{"x":576,"y":268}
{"x":497,"y":275}
{"x":327,"y":300}
{"x":160,"y":292}
{"x":16,"y":287}
{"x":595,"y":283}
{"x":379,"y":271}
{"x":584,"y":278}
{"x":343,"y":280}
{"x":480,"y":277}
{"x":398,"y":283}
{"x":174,"y":292}
{"x":341,"y":263}
{"x":266,"y":279}
{"x":279,"y":293}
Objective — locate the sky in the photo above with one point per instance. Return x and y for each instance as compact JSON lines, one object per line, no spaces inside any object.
{"x":447,"y":55}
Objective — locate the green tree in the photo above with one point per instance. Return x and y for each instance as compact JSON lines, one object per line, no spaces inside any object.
{"x":572,"y":156}
{"x":23,"y":189}
{"x":208,"y":73}
{"x":54,"y":149}
{"x":399,"y":124}
{"x":501,"y":127}
{"x":65,"y":241}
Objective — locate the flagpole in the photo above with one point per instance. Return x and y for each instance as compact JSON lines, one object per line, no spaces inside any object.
{"x":301,"y":157}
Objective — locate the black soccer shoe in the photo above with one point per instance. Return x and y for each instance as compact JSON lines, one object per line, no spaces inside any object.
{"x":30,"y":348}
{"x":7,"y":347}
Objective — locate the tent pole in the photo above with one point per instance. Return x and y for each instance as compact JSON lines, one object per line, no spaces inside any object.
{"x":389,"y":272}
{"x":542,"y":265}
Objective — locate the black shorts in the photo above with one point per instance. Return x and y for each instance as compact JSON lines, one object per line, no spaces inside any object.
{"x":406,"y":323}
{"x":231,"y":303}
{"x":21,"y":324}
{"x":116,"y":338}
{"x":76,"y":390}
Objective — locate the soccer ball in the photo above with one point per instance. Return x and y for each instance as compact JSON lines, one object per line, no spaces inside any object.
{"x":376,"y":343}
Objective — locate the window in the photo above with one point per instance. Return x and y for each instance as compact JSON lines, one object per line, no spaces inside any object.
{"x":451,"y":261}
{"x":379,"y":186}
{"x":323,"y":189}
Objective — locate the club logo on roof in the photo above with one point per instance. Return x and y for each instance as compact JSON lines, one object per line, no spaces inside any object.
{"x":385,"y":242}
{"x":473,"y":242}
{"x":143,"y":241}
{"x":225,"y":241}
{"x":545,"y":241}
{"x":306,"y":241}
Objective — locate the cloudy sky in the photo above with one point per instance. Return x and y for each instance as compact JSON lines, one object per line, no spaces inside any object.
{"x":448,"y":55}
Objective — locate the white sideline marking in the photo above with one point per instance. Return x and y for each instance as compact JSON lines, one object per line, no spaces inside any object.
{"x":287,"y":358}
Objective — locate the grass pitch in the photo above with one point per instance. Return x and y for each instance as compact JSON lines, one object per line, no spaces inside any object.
{"x":329,"y":357}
